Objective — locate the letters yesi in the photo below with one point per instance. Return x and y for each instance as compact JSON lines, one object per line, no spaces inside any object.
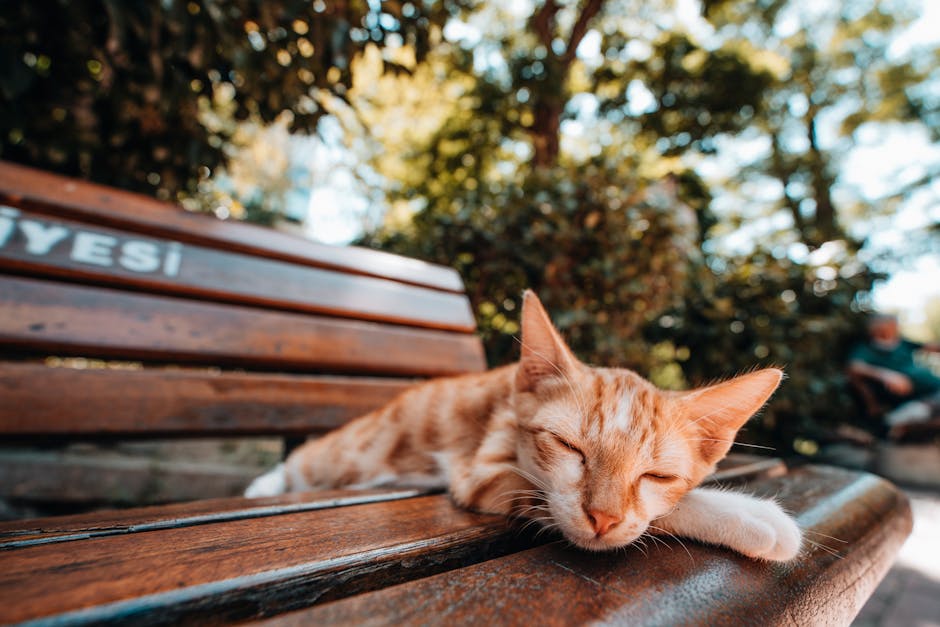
{"x":24,"y":236}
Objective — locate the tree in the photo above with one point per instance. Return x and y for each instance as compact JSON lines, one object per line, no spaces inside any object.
{"x":497,"y":190}
{"x":603,"y":263}
{"x":493,"y":183}
{"x":114,"y":91}
{"x":758,"y":308}
{"x":836,"y":73}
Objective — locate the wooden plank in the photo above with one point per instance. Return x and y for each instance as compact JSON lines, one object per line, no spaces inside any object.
{"x":22,"y":533}
{"x":67,"y":528}
{"x":158,"y":402}
{"x":66,"y":477}
{"x":738,"y":467}
{"x":855,"y":522}
{"x":58,"y":196}
{"x":242,"y":568}
{"x":60,"y":319}
{"x":108,"y":479}
{"x":32,"y":244}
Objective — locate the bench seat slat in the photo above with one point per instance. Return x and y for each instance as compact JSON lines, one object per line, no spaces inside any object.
{"x":238,"y":568}
{"x":219,"y":275}
{"x":64,"y":197}
{"x":160,"y":402}
{"x":734,"y":468}
{"x":671,"y":584}
{"x":241,"y":568}
{"x":61,"y":319}
{"x":19,"y":534}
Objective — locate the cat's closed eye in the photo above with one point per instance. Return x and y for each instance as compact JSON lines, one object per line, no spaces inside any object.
{"x":660,"y":477}
{"x":568,"y":445}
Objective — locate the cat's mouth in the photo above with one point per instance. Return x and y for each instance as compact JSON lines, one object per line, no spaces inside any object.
{"x":607,"y":542}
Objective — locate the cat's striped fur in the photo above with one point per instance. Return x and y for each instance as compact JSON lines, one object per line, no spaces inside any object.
{"x":600,"y":454}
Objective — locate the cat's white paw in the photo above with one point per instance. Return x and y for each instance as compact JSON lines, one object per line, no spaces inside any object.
{"x":764,"y":531}
{"x":270,"y":483}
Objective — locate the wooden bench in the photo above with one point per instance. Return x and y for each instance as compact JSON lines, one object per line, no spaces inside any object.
{"x":231,"y":329}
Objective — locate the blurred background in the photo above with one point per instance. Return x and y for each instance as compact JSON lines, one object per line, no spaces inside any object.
{"x":693,"y":187}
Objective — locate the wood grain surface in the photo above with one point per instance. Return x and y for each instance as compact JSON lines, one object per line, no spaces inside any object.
{"x":219,"y":572}
{"x":733,"y":468}
{"x":64,"y":197}
{"x":43,"y":317}
{"x":98,"y":255}
{"x":161,"y":402}
{"x":855,"y":524}
{"x":19,"y":534}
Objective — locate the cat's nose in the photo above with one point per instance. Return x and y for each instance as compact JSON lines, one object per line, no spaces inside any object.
{"x":602,"y":522}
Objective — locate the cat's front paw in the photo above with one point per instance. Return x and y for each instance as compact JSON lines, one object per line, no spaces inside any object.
{"x":766,"y":532}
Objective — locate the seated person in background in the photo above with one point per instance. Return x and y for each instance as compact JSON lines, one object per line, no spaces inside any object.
{"x":911,"y":391}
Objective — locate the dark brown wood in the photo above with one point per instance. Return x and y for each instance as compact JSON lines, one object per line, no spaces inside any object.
{"x":241,"y":568}
{"x":106,"y":256}
{"x":160,"y":402}
{"x":855,"y":524}
{"x":735,"y":468}
{"x":63,"y":477}
{"x":60,"y":319}
{"x":19,"y":534}
{"x":738,"y":467}
{"x":63,"y":197}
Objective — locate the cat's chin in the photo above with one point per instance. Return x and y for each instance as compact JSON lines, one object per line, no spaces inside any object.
{"x":603,"y":543}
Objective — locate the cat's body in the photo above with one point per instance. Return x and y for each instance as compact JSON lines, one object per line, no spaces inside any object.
{"x":600,"y":454}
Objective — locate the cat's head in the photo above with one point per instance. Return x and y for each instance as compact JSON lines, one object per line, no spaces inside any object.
{"x":609,"y":451}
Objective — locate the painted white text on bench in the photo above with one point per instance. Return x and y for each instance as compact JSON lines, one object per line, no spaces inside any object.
{"x":91,"y":248}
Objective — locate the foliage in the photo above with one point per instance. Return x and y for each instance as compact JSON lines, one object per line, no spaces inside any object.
{"x":836,"y":73}
{"x":692,"y":104}
{"x":260,"y":172}
{"x":755,"y":309}
{"x":499,"y":190}
{"x":113,"y":91}
{"x":604,"y":261}
{"x":555,"y":145}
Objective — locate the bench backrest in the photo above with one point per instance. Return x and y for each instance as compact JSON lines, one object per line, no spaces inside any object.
{"x":198,"y":326}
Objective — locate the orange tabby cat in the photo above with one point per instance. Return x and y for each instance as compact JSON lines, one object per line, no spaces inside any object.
{"x":598,"y":453}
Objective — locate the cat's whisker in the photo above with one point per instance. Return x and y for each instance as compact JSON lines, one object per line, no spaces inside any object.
{"x":522,"y":505}
{"x":544,"y":530}
{"x":519,"y":498}
{"x":528,"y":476}
{"x":823,"y":547}
{"x":659,"y":541}
{"x":535,"y":514}
{"x":816,"y":533}
{"x":640,"y":545}
{"x":767,"y":448}
{"x":676,"y":538}
{"x":541,"y":521}
{"x":529,"y":513}
{"x":671,"y":511}
{"x":516,"y":496}
{"x":528,"y":524}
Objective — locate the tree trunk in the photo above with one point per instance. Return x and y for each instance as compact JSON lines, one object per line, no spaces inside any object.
{"x":546,"y":135}
{"x":826,"y":228}
{"x":549,"y":107}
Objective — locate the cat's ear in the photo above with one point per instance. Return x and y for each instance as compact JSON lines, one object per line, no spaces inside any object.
{"x":718,"y":411}
{"x":545,"y":356}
